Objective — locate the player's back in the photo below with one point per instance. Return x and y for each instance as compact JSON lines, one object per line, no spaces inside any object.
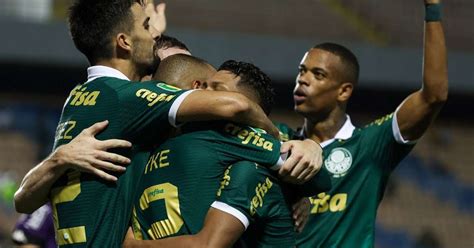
{"x":183,"y":175}
{"x":90,"y":212}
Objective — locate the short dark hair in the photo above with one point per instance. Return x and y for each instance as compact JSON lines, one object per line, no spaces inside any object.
{"x":93,"y":23}
{"x":167,"y":41}
{"x":350,"y":72}
{"x":181,"y":70}
{"x":254,"y":79}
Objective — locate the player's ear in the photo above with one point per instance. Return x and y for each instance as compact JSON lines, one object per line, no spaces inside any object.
{"x":124,"y":43}
{"x":345,"y":91}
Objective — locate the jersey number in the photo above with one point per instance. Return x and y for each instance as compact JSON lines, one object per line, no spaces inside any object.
{"x":64,"y":130}
{"x":169,"y":193}
{"x":68,"y":193}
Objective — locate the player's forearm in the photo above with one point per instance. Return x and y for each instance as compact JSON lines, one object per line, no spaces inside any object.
{"x":254,"y":116}
{"x":435,"y":69}
{"x":232,"y":106}
{"x":35,"y":186}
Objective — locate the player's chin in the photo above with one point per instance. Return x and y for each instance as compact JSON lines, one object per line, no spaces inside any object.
{"x":300,"y":108}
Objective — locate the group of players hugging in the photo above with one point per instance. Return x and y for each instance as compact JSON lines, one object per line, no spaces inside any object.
{"x":158,"y":148}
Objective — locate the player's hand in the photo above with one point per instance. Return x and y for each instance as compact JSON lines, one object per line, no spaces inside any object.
{"x":301,"y":213}
{"x":87,"y":154}
{"x":157,"y":18}
{"x":305,"y":160}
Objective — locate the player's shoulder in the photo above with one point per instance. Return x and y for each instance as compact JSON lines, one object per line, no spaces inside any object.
{"x":90,"y":91}
{"x":151,"y":91}
{"x":378,"y":123}
{"x":286,"y":132}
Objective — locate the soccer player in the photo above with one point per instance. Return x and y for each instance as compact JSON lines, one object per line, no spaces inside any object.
{"x":115,"y":40}
{"x":193,"y":163}
{"x":167,"y":46}
{"x":203,"y":163}
{"x":360,"y":160}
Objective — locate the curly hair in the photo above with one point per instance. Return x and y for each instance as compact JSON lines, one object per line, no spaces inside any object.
{"x":253,"y":79}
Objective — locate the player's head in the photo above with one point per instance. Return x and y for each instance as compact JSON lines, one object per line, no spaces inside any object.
{"x":245,"y":78}
{"x":328,"y":73}
{"x":167,"y":46}
{"x":113,"y":29}
{"x":184,"y":71}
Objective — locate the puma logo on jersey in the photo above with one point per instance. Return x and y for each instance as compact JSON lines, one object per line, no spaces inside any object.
{"x":79,"y":96}
{"x":153,"y":97}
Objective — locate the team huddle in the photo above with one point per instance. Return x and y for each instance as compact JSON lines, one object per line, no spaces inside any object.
{"x":157,"y":148}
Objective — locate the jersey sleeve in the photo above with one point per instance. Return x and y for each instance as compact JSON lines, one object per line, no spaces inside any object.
{"x":243,"y":143}
{"x":149,"y":108}
{"x":251,"y":194}
{"x":35,"y":228}
{"x":383,"y":141}
{"x":246,"y":187}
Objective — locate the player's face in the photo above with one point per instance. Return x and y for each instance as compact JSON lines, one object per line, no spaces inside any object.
{"x":223,"y":81}
{"x":142,"y":40}
{"x":317,"y":85}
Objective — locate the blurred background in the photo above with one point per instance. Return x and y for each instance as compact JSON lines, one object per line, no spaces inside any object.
{"x":430,"y":198}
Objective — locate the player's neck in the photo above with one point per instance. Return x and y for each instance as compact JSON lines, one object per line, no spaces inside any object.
{"x":326,"y":129}
{"x":123,"y":66}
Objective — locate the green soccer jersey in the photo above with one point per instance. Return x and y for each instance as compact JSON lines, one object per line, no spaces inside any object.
{"x":360,"y":162}
{"x":254,"y":195}
{"x":89,"y":212}
{"x":182,"y":176}
{"x":257,"y":198}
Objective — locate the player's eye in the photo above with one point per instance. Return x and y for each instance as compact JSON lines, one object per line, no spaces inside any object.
{"x":319,"y":75}
{"x":146,"y":24}
{"x":301,"y":70}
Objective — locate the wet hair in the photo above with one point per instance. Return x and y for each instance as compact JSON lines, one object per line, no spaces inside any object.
{"x":181,"y":70}
{"x":254,"y":80}
{"x":167,"y":41}
{"x":350,"y":66}
{"x":94,"y":23}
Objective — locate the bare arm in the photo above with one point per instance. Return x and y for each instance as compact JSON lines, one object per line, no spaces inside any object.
{"x":83,"y":153}
{"x":417,"y":112}
{"x":220,"y":230}
{"x":204,"y":105}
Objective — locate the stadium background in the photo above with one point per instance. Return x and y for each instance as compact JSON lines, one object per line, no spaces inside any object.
{"x":430,"y":198}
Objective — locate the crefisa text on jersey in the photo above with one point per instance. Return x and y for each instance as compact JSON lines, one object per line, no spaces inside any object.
{"x":249,"y":137}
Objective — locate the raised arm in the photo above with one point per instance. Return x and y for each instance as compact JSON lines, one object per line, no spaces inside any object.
{"x":417,"y":112}
{"x":84,"y":153}
{"x":203,"y":105}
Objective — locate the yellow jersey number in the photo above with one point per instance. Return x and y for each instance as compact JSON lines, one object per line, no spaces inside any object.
{"x":169,"y":193}
{"x":71,"y":235}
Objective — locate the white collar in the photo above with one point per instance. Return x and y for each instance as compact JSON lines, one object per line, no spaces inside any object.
{"x":98,"y":71}
{"x":344,"y":133}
